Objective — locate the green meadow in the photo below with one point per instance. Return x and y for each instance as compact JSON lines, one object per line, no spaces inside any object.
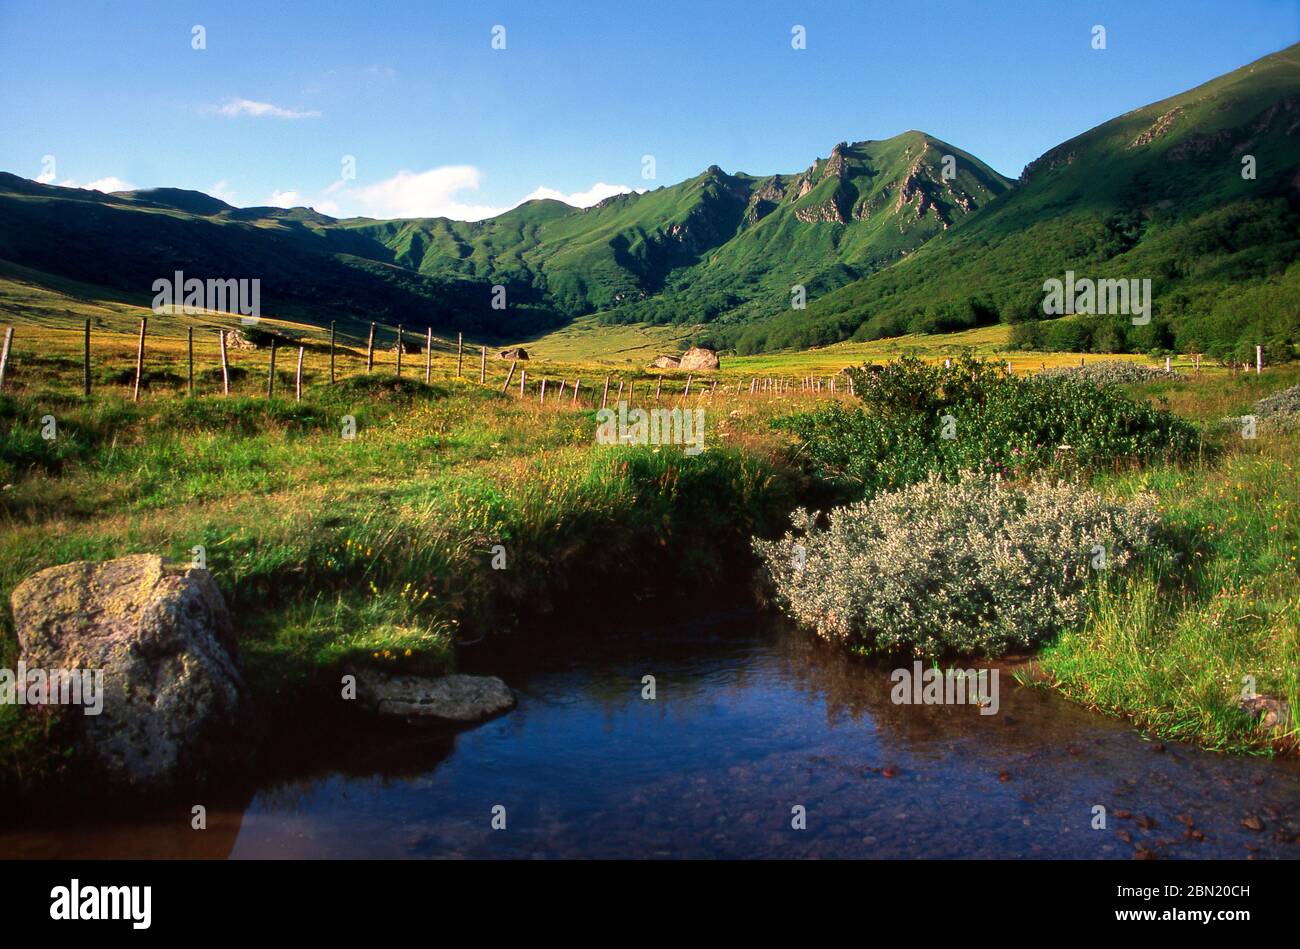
{"x":335,"y":552}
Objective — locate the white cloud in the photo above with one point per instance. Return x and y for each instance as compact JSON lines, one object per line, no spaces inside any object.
{"x":109,"y":184}
{"x":106,"y":184}
{"x":284,"y":199}
{"x":221,"y":191}
{"x":579,"y":199}
{"x":45,"y":177}
{"x":237,"y":107}
{"x":447,"y":191}
{"x":432,"y":193}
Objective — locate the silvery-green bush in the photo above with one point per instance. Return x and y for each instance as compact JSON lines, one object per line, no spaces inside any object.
{"x":1279,"y":404}
{"x":979,"y":566}
{"x":1108,"y":372}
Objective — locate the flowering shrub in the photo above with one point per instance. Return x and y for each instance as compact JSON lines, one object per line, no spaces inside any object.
{"x":1285,"y":402}
{"x":974,"y":567}
{"x":1110,"y":372}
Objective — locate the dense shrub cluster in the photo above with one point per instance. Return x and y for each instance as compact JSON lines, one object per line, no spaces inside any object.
{"x":1283,"y":403}
{"x":918,"y":419}
{"x":1109,"y":372}
{"x":974,"y":567}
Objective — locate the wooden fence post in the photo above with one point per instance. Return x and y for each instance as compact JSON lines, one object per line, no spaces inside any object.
{"x":509,"y":376}
{"x":482,"y":367}
{"x":523,"y":381}
{"x":689,"y":377}
{"x":575,"y":390}
{"x":331,"y":352}
{"x":604,"y":396}
{"x":85,"y":363}
{"x":139,"y":360}
{"x":189,"y":348}
{"x":370,"y":349}
{"x":270,"y":376}
{"x":225,"y":367}
{"x":658,"y":385}
{"x":428,"y":355}
{"x":4,"y":354}
{"x":297,"y":382}
{"x":460,"y":352}
{"x":399,"y":350}
{"x":1259,"y":359}
{"x":541,"y":398}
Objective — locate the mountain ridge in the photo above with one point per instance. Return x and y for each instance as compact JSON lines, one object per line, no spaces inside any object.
{"x":881,"y":237}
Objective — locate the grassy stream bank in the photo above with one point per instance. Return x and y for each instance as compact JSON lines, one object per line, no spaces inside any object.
{"x":380,"y":549}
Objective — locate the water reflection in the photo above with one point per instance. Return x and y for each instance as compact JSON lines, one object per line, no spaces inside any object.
{"x":751,"y":718}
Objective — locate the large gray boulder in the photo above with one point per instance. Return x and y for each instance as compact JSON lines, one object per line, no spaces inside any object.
{"x":665,"y":362}
{"x":699,"y":358}
{"x":452,"y":698}
{"x":161,"y":634}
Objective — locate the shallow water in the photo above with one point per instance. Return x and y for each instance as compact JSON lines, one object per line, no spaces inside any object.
{"x":750,"y":720}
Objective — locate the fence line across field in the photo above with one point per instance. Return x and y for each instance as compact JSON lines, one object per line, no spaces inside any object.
{"x":758,"y":386}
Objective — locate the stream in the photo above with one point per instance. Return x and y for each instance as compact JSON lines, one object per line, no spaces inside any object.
{"x":750,"y":720}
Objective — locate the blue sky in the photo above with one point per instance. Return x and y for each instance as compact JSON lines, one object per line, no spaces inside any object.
{"x":438,"y":122}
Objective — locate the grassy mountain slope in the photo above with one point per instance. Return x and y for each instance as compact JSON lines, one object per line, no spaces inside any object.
{"x":309,"y":267}
{"x":685,"y":253}
{"x":1156,"y":193}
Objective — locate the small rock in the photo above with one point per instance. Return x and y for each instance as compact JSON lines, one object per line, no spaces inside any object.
{"x":1267,"y":712}
{"x":456,"y":698}
{"x":1252,"y":823}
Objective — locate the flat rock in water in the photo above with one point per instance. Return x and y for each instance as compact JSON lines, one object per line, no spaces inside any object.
{"x":454,"y":698}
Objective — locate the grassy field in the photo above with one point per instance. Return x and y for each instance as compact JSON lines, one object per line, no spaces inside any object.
{"x":1172,"y":648}
{"x":334,"y":552}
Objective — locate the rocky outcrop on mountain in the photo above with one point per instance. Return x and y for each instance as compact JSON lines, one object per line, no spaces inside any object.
{"x":1159,"y":127}
{"x":835,"y":165}
{"x":1049,"y":161}
{"x":765,"y":198}
{"x":1242,"y":138}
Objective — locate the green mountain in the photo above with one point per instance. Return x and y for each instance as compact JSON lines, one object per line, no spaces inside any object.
{"x":908,"y":234}
{"x":685,"y":253}
{"x":1157,"y":193}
